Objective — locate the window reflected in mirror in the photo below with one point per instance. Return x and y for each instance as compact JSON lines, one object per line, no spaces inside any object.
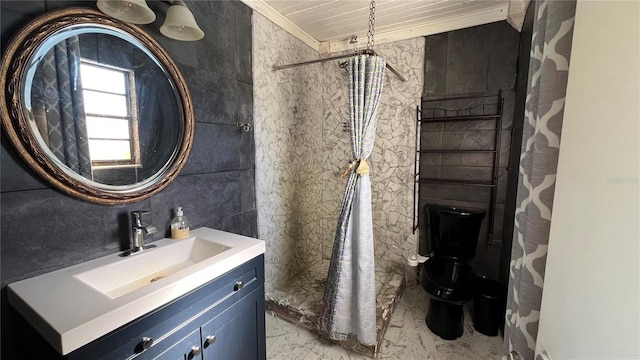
{"x":110,"y":108}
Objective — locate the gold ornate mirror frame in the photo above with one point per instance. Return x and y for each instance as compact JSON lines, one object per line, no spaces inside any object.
{"x":17,"y":57}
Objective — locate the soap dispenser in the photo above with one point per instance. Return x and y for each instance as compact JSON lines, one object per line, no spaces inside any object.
{"x":179,"y":225}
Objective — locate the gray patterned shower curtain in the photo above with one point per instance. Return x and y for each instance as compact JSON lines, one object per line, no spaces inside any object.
{"x":349,"y":302}
{"x":544,"y":109}
{"x":58,"y":106}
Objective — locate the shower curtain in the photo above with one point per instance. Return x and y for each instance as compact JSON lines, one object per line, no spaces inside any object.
{"x":59,"y":106}
{"x":544,"y":108}
{"x":349,"y":302}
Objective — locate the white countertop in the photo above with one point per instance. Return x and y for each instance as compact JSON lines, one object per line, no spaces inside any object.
{"x":69,"y":313}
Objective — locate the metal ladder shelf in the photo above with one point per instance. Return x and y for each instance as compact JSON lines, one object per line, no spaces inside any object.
{"x":490,"y":108}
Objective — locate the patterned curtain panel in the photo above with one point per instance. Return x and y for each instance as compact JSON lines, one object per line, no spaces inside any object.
{"x":548,"y":72}
{"x":349,"y":303}
{"x":59,"y":106}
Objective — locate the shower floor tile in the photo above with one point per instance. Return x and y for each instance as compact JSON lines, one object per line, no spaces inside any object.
{"x":407,"y":337}
{"x":301,"y":301}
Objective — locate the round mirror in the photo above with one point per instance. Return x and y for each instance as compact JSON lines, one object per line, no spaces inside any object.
{"x":95,"y":106}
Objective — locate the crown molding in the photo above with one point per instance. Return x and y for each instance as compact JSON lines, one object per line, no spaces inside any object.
{"x":517,"y":11}
{"x":276,"y":17}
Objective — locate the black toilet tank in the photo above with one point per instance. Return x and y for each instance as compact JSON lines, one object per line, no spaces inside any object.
{"x":453,"y":231}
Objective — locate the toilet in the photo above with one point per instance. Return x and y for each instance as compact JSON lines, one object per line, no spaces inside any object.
{"x":452,"y":236}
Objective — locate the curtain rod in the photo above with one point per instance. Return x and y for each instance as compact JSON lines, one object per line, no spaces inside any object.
{"x":336,"y":57}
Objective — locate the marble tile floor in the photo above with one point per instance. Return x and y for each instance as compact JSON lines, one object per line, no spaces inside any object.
{"x":407,"y":338}
{"x":300,"y":303}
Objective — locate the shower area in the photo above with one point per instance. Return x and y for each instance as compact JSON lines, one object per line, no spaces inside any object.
{"x":303,"y":147}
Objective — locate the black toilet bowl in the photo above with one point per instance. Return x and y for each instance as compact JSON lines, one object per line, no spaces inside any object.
{"x":449,"y":283}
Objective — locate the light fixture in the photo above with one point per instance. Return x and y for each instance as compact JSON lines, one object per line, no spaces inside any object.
{"x":131,"y":11}
{"x":179,"y":23}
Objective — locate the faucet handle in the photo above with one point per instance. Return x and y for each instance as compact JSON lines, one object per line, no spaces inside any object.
{"x":136,"y":217}
{"x":138,"y":213}
{"x":151,"y":229}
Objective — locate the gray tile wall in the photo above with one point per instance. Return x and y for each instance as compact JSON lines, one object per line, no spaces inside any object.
{"x":43,"y":229}
{"x":473,"y":60}
{"x":516,"y":142}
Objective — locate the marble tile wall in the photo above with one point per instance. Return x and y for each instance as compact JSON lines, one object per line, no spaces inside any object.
{"x":288,"y":127}
{"x":301,"y":150}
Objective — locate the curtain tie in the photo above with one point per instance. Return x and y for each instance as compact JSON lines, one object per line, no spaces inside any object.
{"x":361,"y":166}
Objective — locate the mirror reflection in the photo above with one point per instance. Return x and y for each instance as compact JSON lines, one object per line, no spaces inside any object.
{"x":103,"y":108}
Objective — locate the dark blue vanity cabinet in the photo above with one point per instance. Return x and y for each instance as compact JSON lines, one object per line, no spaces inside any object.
{"x":237,"y":333}
{"x":223,"y":319}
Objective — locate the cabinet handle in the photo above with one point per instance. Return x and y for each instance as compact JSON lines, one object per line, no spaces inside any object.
{"x":209,"y":340}
{"x":146,"y":343}
{"x":195,"y":351}
{"x":239,"y":285}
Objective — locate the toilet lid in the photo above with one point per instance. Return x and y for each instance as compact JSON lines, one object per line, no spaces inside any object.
{"x":449,"y":279}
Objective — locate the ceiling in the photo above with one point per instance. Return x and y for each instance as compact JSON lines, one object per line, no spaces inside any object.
{"x":328,"y":25}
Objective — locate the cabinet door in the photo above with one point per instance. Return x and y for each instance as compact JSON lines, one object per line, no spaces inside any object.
{"x":237,"y":333}
{"x":187,"y":348}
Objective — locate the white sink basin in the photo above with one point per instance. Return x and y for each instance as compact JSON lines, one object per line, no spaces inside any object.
{"x":73,"y":306}
{"x":136,"y":271}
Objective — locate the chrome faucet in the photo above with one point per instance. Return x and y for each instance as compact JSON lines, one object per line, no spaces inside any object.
{"x":138,"y":233}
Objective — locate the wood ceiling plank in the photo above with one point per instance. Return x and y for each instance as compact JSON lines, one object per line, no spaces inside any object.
{"x":288,"y":7}
{"x":341,"y":29}
{"x":401,"y":10}
{"x":330,"y":11}
{"x":337,"y":20}
{"x":436,"y":26}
